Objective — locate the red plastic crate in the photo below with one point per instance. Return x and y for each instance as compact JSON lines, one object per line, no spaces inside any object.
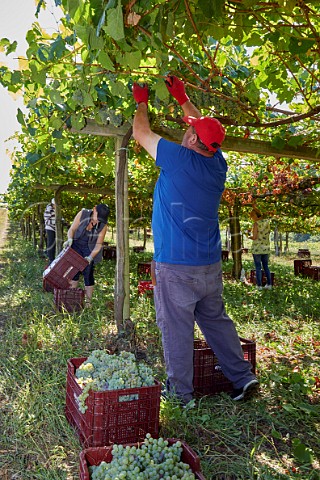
{"x":145,"y":286}
{"x":208,"y":378}
{"x":64,"y":267}
{"x":94,"y":456}
{"x":109,"y":252}
{"x":224,"y":255}
{"x":300,"y":265}
{"x":47,"y":287}
{"x":109,"y":420}
{"x":304,"y":253}
{"x":312,"y":272}
{"x":71,"y":300}
{"x":144,"y":268}
{"x":264,"y":277}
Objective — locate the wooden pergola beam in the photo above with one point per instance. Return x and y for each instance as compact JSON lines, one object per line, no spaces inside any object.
{"x":247,"y":145}
{"x":230,"y":144}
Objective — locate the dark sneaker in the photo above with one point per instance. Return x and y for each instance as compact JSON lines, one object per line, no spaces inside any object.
{"x":246,"y":391}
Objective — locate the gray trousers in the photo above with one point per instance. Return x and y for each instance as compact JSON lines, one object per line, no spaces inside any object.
{"x":186,"y":294}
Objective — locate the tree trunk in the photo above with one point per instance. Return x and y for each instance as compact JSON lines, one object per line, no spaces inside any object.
{"x":28,"y":229}
{"x":58,"y":215}
{"x":144,"y":237}
{"x":41,"y":228}
{"x":286,"y":248}
{"x":122,"y":287}
{"x":276,"y":241}
{"x":23,"y":228}
{"x":34,"y":230}
{"x":234,"y":223}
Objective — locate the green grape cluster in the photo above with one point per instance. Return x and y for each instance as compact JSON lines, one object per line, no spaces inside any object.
{"x":109,"y":115}
{"x":78,"y":97}
{"x":154,"y":459}
{"x":220,"y":106}
{"x":101,"y":371}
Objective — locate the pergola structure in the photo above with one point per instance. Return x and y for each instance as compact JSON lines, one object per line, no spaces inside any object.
{"x":122,"y":137}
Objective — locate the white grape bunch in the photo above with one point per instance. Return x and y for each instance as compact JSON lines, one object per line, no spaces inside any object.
{"x":101,"y":371}
{"x":153,"y":459}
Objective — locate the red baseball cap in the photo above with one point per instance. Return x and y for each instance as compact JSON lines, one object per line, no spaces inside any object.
{"x":209,"y":130}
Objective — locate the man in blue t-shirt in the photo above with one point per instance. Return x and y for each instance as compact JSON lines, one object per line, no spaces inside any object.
{"x":187,"y":246}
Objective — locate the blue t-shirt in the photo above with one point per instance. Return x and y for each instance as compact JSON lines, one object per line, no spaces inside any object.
{"x":186,"y":200}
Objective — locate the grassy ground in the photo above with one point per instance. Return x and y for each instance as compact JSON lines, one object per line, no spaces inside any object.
{"x":272,"y":436}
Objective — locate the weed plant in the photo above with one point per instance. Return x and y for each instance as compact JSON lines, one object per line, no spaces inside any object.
{"x":274,"y":435}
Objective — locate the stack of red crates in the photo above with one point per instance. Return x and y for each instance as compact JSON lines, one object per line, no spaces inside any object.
{"x":58,"y":276}
{"x":94,"y":456}
{"x":208,"y":378}
{"x":110,"y":417}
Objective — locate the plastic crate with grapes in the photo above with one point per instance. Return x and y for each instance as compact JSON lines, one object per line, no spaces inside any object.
{"x":154,"y":458}
{"x":111,"y":399}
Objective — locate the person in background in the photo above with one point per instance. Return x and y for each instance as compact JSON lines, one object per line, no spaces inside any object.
{"x":261,"y":247}
{"x":187,"y":247}
{"x":86,"y":236}
{"x":50,"y":229}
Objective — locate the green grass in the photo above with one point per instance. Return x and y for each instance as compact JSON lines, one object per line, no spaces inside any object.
{"x":272,"y":436}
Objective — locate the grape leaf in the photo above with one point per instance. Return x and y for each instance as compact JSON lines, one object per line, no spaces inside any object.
{"x":114,"y":26}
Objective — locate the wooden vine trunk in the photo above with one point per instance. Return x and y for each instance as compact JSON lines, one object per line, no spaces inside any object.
{"x":235,"y":232}
{"x":122,"y":287}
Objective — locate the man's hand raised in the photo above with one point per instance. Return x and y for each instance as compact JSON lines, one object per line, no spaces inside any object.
{"x":176,"y":88}
{"x":140,"y":93}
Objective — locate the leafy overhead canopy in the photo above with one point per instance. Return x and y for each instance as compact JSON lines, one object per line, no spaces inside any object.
{"x":231,"y":54}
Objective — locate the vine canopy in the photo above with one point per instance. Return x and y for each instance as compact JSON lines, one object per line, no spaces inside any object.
{"x":232,"y":55}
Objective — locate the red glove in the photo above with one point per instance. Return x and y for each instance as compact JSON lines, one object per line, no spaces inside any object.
{"x":140,"y":93}
{"x":176,"y":88}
